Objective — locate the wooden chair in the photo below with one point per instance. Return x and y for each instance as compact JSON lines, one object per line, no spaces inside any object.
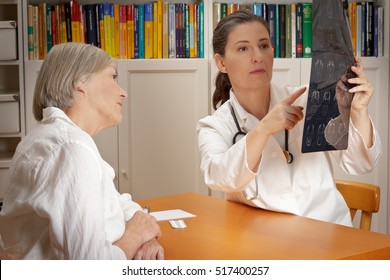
{"x":360,"y":196}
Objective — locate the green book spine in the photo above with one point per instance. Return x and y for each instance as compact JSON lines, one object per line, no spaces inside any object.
{"x":307,"y":21}
{"x":277,"y":32}
{"x":288,"y":31}
{"x":223,"y":10}
{"x":201,"y":29}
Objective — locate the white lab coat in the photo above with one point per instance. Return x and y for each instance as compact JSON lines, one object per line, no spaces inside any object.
{"x":61,"y":202}
{"x":306,"y":187}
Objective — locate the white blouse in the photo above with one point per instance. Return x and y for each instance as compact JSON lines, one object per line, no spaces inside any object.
{"x":61,"y":202}
{"x":306,"y":187}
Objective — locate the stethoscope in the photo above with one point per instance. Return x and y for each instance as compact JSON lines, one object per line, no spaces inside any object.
{"x":289,"y":156}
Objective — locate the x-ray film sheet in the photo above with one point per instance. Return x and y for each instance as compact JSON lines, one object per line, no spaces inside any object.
{"x":329,"y":102}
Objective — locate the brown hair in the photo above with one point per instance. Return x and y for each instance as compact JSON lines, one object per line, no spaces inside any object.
{"x":224,"y":27}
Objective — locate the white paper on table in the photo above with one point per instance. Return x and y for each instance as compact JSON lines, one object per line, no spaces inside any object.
{"x":171,"y":215}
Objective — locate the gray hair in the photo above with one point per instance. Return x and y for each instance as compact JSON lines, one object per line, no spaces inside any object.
{"x":63,"y":68}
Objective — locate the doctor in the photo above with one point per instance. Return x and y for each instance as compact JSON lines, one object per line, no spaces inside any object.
{"x":251,"y":146}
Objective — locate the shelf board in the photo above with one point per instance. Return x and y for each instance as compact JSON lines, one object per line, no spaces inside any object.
{"x":5,"y":159}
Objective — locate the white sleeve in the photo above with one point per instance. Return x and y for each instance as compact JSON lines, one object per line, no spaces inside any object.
{"x":129,"y":206}
{"x":225,"y":167}
{"x":358,"y":159}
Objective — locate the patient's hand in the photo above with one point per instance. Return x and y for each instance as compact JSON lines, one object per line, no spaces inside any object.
{"x":151,"y":250}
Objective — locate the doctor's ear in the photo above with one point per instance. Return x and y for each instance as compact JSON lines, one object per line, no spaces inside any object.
{"x":218,"y":59}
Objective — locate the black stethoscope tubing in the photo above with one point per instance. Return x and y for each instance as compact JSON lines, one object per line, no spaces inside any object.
{"x":289,"y":156}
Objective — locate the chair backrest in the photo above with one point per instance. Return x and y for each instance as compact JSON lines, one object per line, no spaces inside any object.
{"x":360,"y":196}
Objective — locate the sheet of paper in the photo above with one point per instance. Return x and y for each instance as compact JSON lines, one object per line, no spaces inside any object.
{"x":173,"y":214}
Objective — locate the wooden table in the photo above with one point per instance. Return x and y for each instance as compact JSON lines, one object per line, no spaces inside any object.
{"x":225,"y":230}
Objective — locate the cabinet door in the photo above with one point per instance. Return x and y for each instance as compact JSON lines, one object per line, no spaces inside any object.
{"x":157,"y":138}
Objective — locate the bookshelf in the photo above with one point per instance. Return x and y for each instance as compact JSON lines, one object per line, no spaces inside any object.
{"x":154,"y":150}
{"x":12,"y":126}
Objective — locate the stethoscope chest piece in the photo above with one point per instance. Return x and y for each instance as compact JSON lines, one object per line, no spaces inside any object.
{"x":289,"y":156}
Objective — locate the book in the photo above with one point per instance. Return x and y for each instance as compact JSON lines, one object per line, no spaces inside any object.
{"x":216,"y":13}
{"x":130,"y":30}
{"x":191,"y":23}
{"x":223,"y":10}
{"x":282,"y":30}
{"x":123,"y":31}
{"x":298,"y":32}
{"x":288,"y":30}
{"x":30,"y":31}
{"x":363,"y":42}
{"x":353,"y":25}
{"x":117,"y":32}
{"x":42,"y":39}
{"x":35,"y":32}
{"x":182,"y":35}
{"x":50,"y":31}
{"x":271,"y":22}
{"x":165,"y":36}
{"x":187,"y":30}
{"x":369,"y":29}
{"x":201,"y":29}
{"x":90,"y":24}
{"x":75,"y":20}
{"x":177,"y":30}
{"x":107,"y":28}
{"x":277,"y":32}
{"x":196,"y":29}
{"x":380,"y":31}
{"x":155,"y":29}
{"x":307,"y":21}
{"x":136,"y":31}
{"x":376,"y":31}
{"x":160,"y":29}
{"x":56,"y":20}
{"x":257,"y":9}
{"x":64,"y":32}
{"x":82,"y":24}
{"x":293,"y":31}
{"x":171,"y":31}
{"x":265,"y":11}
{"x":149,"y":34}
{"x":112,"y":30}
{"x":141,"y":29}
{"x":101,"y":27}
{"x":196,"y":9}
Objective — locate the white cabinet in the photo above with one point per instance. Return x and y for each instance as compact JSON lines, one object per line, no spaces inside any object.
{"x":157,"y":139}
{"x":11,"y":85}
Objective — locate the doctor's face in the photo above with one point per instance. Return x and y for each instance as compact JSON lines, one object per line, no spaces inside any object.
{"x":248,"y":58}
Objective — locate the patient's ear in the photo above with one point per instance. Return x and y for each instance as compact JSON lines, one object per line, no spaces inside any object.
{"x":81,"y":88}
{"x":218,"y":59}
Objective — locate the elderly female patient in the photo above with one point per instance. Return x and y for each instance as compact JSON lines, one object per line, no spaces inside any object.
{"x":61,"y":202}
